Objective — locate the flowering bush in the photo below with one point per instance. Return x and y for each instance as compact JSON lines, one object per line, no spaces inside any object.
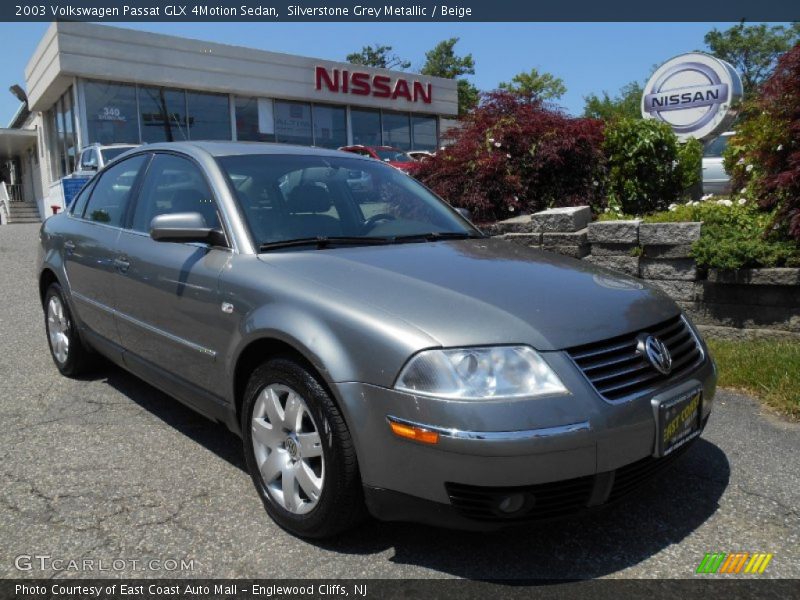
{"x":733,"y":234}
{"x":513,"y":155}
{"x":764,"y":155}
{"x":647,"y":167}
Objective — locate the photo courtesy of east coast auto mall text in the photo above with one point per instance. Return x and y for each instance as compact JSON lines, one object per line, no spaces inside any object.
{"x":345,"y":300}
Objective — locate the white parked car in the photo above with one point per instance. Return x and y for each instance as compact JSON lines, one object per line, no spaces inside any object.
{"x":715,"y":179}
{"x":95,"y":156}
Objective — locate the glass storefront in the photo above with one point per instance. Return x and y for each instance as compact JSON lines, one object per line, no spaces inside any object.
{"x":63,"y":135}
{"x":127,"y":113}
{"x":330,"y":126}
{"x":111,"y":113}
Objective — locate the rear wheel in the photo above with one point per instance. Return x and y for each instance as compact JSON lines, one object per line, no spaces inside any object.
{"x":299,"y":451}
{"x":66,"y":347}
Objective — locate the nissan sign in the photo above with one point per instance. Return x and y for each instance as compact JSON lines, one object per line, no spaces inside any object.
{"x":694,"y":94}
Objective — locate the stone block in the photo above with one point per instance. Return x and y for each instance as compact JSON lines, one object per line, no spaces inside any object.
{"x":742,"y":293}
{"x":605,"y":249}
{"x":734,"y":333}
{"x":662,"y":251}
{"x":672,"y":268}
{"x":564,"y":238}
{"x":678,"y":289}
{"x":566,"y":218}
{"x":747,"y":316}
{"x":523,"y":239}
{"x":669,"y":234}
{"x":776,"y":276}
{"x":577,"y":251}
{"x":614,"y":232}
{"x":520,"y":224}
{"x":625,"y":264}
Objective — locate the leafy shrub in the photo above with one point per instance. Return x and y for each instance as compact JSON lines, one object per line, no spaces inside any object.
{"x":733,"y":235}
{"x":513,"y":155}
{"x":764,"y":156}
{"x":647,"y":169}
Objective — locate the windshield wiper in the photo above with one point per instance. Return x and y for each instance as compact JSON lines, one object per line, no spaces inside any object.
{"x":324,"y":241}
{"x":434,"y":236}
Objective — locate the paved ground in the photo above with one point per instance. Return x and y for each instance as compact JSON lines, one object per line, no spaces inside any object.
{"x":110,"y":468}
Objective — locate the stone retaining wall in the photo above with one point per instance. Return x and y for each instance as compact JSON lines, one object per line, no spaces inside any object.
{"x":733,"y":304}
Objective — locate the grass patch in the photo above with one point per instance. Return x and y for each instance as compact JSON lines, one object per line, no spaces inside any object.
{"x":768,"y":369}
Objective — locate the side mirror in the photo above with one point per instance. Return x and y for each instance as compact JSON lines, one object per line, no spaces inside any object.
{"x":185,"y":227}
{"x":465,"y":213}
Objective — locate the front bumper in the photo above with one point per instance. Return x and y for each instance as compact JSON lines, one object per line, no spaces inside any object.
{"x":578,"y":438}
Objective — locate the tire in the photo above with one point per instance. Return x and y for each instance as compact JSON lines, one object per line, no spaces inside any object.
{"x":70,"y":355}
{"x":317,"y":493}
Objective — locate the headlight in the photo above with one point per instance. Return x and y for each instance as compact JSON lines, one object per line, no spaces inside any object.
{"x":479,"y":374}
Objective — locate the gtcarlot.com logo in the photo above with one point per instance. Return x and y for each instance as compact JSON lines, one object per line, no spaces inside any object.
{"x":734,"y":563}
{"x":45,"y":562}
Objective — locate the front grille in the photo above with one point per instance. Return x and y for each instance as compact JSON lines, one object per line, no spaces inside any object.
{"x":544,"y":501}
{"x":617,"y":370}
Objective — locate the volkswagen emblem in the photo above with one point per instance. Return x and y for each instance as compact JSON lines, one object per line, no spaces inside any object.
{"x":656,"y":353}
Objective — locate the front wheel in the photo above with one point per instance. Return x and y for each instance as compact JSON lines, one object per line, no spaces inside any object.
{"x":66,"y":347}
{"x":299,"y":451}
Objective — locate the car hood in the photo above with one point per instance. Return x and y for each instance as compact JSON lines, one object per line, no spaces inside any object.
{"x":484,"y":291}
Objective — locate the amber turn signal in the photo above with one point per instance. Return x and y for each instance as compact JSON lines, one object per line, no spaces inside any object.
{"x":418,"y":434}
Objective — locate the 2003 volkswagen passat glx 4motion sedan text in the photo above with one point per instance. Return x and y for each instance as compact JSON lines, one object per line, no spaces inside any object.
{"x":375,"y":351}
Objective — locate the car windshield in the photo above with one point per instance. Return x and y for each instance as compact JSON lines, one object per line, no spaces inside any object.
{"x":390,"y":154}
{"x":716,"y":147}
{"x":112,"y":153}
{"x":306,"y":198}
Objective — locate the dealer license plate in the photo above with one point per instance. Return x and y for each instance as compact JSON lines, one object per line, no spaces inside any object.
{"x":678,"y":421}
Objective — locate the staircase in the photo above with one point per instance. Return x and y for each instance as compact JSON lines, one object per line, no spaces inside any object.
{"x":23,"y":212}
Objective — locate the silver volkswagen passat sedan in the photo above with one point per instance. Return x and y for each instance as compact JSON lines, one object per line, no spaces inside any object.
{"x":376,"y":352}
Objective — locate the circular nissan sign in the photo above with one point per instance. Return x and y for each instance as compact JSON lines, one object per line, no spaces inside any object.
{"x":693,"y":93}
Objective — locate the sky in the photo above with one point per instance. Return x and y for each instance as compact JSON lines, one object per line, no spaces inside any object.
{"x":589,"y":57}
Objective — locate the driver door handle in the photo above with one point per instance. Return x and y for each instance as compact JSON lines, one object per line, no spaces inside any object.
{"x":69,"y":246}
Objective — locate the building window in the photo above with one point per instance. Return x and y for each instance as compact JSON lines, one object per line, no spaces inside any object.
{"x":423,"y":131}
{"x":250,"y":123}
{"x":397,"y":130}
{"x":163,"y":114}
{"x":293,"y":123}
{"x":111,"y":115}
{"x":330,"y":126}
{"x":63,"y":140}
{"x":366,"y":126}
{"x":209,"y":116}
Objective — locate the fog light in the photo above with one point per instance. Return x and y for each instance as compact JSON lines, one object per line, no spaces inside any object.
{"x":512,"y":503}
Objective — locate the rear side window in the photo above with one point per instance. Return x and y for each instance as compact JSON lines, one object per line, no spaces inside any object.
{"x":174,"y":185}
{"x":112,"y":192}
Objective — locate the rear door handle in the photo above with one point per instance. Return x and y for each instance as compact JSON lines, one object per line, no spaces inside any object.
{"x":122,"y":264}
{"x":69,"y":246}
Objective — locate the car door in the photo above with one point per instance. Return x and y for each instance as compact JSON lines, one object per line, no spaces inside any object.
{"x":90,"y":243}
{"x":715,"y":179}
{"x":170,"y":313}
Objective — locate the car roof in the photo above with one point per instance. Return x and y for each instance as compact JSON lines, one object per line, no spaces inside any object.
{"x":244,"y":148}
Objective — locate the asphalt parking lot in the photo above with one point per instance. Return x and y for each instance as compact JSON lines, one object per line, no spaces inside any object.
{"x":109,"y":468}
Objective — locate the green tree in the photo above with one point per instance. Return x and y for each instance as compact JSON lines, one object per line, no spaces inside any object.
{"x":752,"y":49}
{"x":442,"y":61}
{"x":536,"y":86}
{"x":625,"y":105}
{"x":378,"y":56}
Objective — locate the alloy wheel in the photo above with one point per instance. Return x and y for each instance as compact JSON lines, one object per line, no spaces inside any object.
{"x":288,"y":449}
{"x":58,"y":329}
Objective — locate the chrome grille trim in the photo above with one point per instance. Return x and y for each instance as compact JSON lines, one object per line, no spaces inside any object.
{"x":618,"y":372}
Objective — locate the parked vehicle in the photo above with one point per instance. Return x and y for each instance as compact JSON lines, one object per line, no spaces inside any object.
{"x":393,"y":156}
{"x":421,"y":155}
{"x":397,"y":362}
{"x":715,"y":179}
{"x":95,"y":156}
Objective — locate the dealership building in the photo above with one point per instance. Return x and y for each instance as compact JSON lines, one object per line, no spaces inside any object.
{"x":93,"y":84}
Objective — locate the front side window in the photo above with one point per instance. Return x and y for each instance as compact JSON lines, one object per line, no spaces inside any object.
{"x":286,"y":197}
{"x":173,"y":185}
{"x":89,"y":159}
{"x":112,"y":192}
